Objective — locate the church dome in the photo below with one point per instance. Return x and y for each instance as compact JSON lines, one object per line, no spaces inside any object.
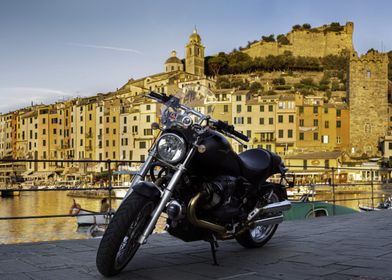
{"x":173,"y":58}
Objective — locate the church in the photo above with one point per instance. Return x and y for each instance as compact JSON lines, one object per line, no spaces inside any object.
{"x":176,"y":73}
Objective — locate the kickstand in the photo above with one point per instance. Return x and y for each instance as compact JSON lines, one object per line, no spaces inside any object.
{"x":214,"y":245}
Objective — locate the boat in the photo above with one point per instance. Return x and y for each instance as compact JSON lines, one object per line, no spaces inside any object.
{"x":306,"y":209}
{"x":387,"y":204}
{"x":93,"y":218}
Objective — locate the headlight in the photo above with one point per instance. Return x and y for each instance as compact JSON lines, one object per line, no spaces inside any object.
{"x":171,"y":148}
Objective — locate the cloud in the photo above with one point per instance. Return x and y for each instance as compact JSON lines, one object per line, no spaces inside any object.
{"x":12,"y":98}
{"x":105,"y":48}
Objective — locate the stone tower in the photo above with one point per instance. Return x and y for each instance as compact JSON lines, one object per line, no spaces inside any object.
{"x":194,"y":55}
{"x":368,"y":101}
{"x":173,"y":63}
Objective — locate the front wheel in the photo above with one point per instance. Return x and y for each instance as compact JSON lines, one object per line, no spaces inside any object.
{"x":259,"y":235}
{"x":119,"y":243}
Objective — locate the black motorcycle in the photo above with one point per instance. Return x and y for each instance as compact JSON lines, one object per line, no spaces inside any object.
{"x":207,"y":191}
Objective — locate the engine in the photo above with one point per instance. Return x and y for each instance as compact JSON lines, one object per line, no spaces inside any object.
{"x":221,"y":204}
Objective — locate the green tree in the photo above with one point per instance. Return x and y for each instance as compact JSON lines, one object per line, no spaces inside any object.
{"x":270,"y":38}
{"x":282,"y":39}
{"x":306,"y":26}
{"x":223,"y":83}
{"x":255,"y":86}
{"x":216,"y":63}
{"x":279,"y":81}
{"x":296,"y":27}
{"x":390,"y":66}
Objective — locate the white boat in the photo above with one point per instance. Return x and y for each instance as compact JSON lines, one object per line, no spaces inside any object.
{"x":96,"y":219}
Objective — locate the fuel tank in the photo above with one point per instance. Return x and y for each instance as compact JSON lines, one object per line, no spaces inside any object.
{"x":218,"y":157}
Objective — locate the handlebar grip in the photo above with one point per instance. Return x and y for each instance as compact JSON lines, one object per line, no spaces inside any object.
{"x":230,"y":129}
{"x":240,"y":135}
{"x":162,"y":97}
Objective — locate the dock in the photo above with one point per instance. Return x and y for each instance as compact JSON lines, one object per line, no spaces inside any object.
{"x":354,"y":246}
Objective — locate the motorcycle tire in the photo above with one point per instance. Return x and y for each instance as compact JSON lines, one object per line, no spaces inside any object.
{"x":260,"y":235}
{"x":119,"y":242}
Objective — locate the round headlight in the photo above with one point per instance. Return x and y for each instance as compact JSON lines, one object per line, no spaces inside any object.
{"x":171,"y":148}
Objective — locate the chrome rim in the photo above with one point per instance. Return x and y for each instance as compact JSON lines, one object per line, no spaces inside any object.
{"x":129,"y":244}
{"x":260,"y":233}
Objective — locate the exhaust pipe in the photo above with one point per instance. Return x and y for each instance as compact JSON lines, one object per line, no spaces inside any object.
{"x":270,"y":208}
{"x":267,"y":221}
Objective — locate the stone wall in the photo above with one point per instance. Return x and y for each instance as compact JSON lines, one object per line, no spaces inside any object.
{"x":368,"y":102}
{"x":317,"y":42}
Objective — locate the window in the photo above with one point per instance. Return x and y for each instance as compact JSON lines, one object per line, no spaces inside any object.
{"x":81,"y":130}
{"x":325,"y":139}
{"x":315,"y":136}
{"x":261,"y":121}
{"x":291,"y":118}
{"x":338,"y":140}
{"x":238,"y":108}
{"x":326,"y":124}
{"x":100,"y":120}
{"x":90,"y":117}
{"x":338,"y":112}
{"x":315,"y":110}
{"x":290,"y":133}
{"x":249,"y":133}
{"x":261,"y":108}
{"x":301,"y":109}
{"x":107,"y":130}
{"x":315,"y":122}
{"x":148,"y":118}
{"x":338,"y":124}
{"x":280,"y":133}
{"x":301,"y":136}
{"x":238,"y":98}
{"x":125,"y":120}
{"x":148,"y":107}
{"x":142,"y":145}
{"x":114,"y":119}
{"x":147,"y":131}
{"x":43,"y":131}
{"x":325,"y":110}
{"x":280,"y":119}
{"x":44,"y":142}
{"x":114,"y":131}
{"x":225,"y":108}
{"x":368,"y":74}
{"x":270,"y":108}
{"x":249,"y":108}
{"x":326,"y":163}
{"x":81,"y":142}
{"x":271,"y":121}
{"x":305,"y":164}
{"x":114,"y":143}
{"x":54,"y":131}
{"x":301,"y":122}
{"x":249,"y":120}
{"x":390,"y":145}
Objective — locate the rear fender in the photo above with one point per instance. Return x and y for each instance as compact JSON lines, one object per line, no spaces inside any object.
{"x":147,"y":189}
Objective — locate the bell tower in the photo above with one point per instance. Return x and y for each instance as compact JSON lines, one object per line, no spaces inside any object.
{"x":194,"y":55}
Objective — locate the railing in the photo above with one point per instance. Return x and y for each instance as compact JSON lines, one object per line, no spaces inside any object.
{"x":341,"y":180}
{"x":331,"y":180}
{"x":109,"y":188}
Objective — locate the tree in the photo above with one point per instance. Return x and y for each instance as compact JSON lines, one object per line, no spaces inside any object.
{"x":279,"y":81}
{"x":296,"y":27}
{"x":255,"y":86}
{"x":306,"y":26}
{"x":216,"y":63}
{"x":282,"y":39}
{"x":270,"y":38}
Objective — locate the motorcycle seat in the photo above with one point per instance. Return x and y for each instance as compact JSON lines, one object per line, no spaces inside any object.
{"x":259,"y":164}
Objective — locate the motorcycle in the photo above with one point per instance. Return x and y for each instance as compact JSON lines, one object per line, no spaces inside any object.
{"x":207,"y":191}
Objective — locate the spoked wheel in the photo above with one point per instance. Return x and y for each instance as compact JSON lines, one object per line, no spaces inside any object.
{"x":259,"y":235}
{"x":119,"y":243}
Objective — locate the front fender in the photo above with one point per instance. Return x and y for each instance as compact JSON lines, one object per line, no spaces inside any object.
{"x":147,"y":189}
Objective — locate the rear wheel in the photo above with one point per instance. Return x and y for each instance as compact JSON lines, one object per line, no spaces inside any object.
{"x":119,"y":243}
{"x":259,"y":235}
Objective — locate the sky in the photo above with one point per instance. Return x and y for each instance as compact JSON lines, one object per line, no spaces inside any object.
{"x":52,"y":50}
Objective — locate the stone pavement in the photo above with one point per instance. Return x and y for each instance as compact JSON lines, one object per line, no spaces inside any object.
{"x":356,"y":246}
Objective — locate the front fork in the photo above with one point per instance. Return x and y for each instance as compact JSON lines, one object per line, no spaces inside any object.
{"x":165,"y":196}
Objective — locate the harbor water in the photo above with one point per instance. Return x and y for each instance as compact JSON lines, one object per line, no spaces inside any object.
{"x":58,"y":202}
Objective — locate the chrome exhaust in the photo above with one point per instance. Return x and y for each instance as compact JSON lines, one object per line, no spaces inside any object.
{"x":267,"y":221}
{"x":270,"y":208}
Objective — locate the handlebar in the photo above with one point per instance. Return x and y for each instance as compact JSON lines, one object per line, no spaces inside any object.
{"x":222,"y":126}
{"x":230,"y":129}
